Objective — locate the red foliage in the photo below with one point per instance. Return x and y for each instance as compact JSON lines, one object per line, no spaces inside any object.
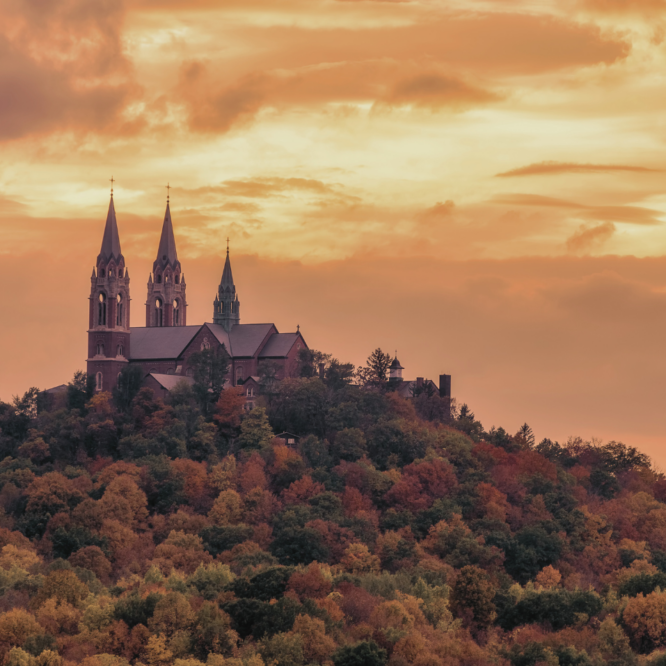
{"x":299,"y":492}
{"x":310,"y":584}
{"x":252,"y":474}
{"x":353,"y":501}
{"x":334,"y":537}
{"x":422,"y":484}
{"x":356,"y":602}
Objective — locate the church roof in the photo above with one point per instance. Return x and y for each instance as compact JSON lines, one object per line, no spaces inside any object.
{"x":166,"y":253}
{"x":154,"y":343}
{"x":243,"y":339}
{"x":279,"y":345}
{"x":169,"y":382}
{"x":111,"y":239}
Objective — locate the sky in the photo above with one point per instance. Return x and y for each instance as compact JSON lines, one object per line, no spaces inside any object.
{"x":479,"y":186}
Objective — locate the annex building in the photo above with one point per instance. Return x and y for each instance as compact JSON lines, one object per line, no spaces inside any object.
{"x":162,"y":347}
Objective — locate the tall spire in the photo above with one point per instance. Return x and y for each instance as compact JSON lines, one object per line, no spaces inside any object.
{"x":226,"y":307}
{"x":166,"y":252}
{"x":111,"y":240}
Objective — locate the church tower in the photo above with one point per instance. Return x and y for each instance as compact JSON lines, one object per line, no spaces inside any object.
{"x":109,"y":317}
{"x":166,"y":304}
{"x":226,"y":307}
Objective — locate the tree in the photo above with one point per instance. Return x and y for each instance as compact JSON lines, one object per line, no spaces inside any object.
{"x":210,"y":367}
{"x":308,"y":362}
{"x":129,"y":384}
{"x":16,"y":626}
{"x":80,"y":390}
{"x":375,"y":373}
{"x":172,"y":613}
{"x":338,"y":375}
{"x":256,"y":432}
{"x":472,"y":597}
{"x":365,"y":653}
{"x":525,"y":436}
{"x":229,"y":410}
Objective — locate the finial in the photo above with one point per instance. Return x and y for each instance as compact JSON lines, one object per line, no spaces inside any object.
{"x":227,"y":245}
{"x":298,"y":328}
{"x":168,"y":189}
{"x":112,"y":181}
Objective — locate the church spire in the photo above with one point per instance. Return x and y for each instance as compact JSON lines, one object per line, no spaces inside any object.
{"x":166,"y":252}
{"x":111,"y":239}
{"x":166,"y":304}
{"x":226,"y":307}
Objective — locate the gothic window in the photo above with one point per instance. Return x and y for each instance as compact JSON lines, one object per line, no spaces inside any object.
{"x":119,"y":310}
{"x":120,"y":272}
{"x":101,"y":272}
{"x":158,"y":278}
{"x":166,"y":279}
{"x":159,"y":312}
{"x":170,"y":371}
{"x":98,"y":381}
{"x":120,"y":351}
{"x":176,"y":314}
{"x":205,"y":344}
{"x":101,"y":310}
{"x":118,"y":379}
{"x":100,"y":349}
{"x":250,"y":392}
{"x":233,"y":309}
{"x":239,"y":374}
{"x":177,"y":279}
{"x":110,"y":272}
{"x":222,"y":307}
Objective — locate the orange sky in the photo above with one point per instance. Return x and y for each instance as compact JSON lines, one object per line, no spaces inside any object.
{"x":478,"y":184}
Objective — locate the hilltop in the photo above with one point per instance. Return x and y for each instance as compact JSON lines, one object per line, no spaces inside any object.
{"x":380,"y":530}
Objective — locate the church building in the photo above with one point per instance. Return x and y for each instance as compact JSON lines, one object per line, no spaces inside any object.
{"x":163,"y":346}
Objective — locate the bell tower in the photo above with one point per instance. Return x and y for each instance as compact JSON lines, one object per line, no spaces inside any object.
{"x":226,"y":307}
{"x":109,"y":312}
{"x":166,"y":304}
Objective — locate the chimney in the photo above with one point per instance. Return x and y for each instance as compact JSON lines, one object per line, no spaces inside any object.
{"x":322,"y":370}
{"x":419,"y":382}
{"x":445,"y":386}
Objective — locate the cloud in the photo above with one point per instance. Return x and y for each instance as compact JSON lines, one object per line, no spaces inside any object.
{"x":627,"y":214}
{"x":554,"y":168}
{"x":588,"y":238}
{"x":62,"y":67}
{"x":644,"y":7}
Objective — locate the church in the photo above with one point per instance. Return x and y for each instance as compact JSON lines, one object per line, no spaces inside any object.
{"x":163,"y":346}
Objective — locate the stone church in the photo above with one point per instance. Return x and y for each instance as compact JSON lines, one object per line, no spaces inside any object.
{"x":163,"y":346}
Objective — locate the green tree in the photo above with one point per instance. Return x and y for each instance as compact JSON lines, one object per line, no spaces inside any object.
{"x":210,"y":367}
{"x":80,"y":390}
{"x":256,"y":432}
{"x":129,"y":385}
{"x":375,"y":373}
{"x":365,"y":653}
{"x":472,"y":597}
{"x":338,"y":375}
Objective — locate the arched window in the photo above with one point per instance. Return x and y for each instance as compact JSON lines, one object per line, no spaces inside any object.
{"x":159,"y":312}
{"x":239,"y":374}
{"x":120,"y":351}
{"x":170,"y":371}
{"x":176,"y":278}
{"x":233,"y":309}
{"x":222,"y":307}
{"x":118,"y":379}
{"x":101,"y":311}
{"x":100,"y":349}
{"x":110,"y":272}
{"x":119,"y":310}
{"x":166,"y":279}
{"x":120,"y":272}
{"x":158,"y":279}
{"x":205,"y":344}
{"x":101,"y":272}
{"x":98,"y":381}
{"x":176,"y":314}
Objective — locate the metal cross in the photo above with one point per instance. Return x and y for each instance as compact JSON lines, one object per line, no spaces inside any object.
{"x":168,"y":188}
{"x":227,"y":245}
{"x":112,"y":181}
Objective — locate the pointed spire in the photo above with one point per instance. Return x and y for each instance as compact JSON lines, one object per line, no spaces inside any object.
{"x":111,"y":240}
{"x":166,"y":253}
{"x":227,"y":277}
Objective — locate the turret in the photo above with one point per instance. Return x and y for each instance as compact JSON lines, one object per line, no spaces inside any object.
{"x":226,"y":306}
{"x":166,"y":304}
{"x":109,"y":309}
{"x":395,"y":370}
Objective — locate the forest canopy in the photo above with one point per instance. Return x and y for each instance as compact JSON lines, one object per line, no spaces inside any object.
{"x":186,"y":531}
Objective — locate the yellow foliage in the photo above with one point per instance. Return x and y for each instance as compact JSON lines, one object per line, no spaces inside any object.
{"x":104,"y":660}
{"x":222,"y":474}
{"x":358,"y":559}
{"x":157,"y":653}
{"x":392,"y":620}
{"x":316,"y":644}
{"x":227,"y":509}
{"x":20,"y":557}
{"x":645,"y":619}
{"x":57,"y":617}
{"x":16,"y":625}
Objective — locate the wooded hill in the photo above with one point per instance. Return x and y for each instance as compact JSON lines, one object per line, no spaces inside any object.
{"x":183,"y":532}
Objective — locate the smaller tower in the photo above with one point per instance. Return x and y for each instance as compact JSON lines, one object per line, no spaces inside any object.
{"x":109,"y":316}
{"x":395,"y":370}
{"x":166,"y":304}
{"x":226,"y":307}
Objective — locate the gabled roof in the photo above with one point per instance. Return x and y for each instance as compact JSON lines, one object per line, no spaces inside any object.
{"x":244,"y":339}
{"x":169,"y":382}
{"x":111,"y":239}
{"x":156,"y":343}
{"x":279,"y":345}
{"x":166,"y":253}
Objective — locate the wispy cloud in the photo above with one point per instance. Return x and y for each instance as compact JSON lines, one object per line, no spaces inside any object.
{"x":554,"y":168}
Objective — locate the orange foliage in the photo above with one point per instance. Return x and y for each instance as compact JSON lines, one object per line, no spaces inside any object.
{"x":311,"y":583}
{"x":299,"y":492}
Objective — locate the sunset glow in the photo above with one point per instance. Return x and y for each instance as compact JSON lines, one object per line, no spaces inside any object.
{"x":479,"y":185}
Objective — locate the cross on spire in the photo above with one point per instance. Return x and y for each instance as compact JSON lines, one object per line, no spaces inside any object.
{"x":168,"y":189}
{"x":112,"y":181}
{"x":227,"y":245}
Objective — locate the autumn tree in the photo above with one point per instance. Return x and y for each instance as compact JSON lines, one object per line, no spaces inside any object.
{"x":472,"y":597}
{"x":210,"y":368}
